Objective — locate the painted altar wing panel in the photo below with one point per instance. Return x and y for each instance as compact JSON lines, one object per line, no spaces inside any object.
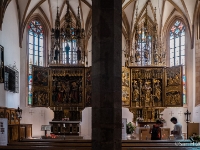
{"x":40,"y":86}
{"x":88,"y":87}
{"x":126,"y":96}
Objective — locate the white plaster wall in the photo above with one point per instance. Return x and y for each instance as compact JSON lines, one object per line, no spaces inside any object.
{"x":9,"y":39}
{"x":36,"y":116}
{"x":177,"y":112}
{"x":89,"y":49}
{"x":127,"y":114}
{"x":123,"y":48}
{"x":86,"y":124}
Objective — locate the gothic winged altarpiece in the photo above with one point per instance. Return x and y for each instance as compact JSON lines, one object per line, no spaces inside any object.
{"x":65,"y":90}
{"x":146,"y":91}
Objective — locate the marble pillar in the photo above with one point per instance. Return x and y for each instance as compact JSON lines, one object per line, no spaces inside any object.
{"x":106,"y":74}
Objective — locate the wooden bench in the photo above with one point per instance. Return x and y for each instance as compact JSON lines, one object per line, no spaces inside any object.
{"x":47,"y":144}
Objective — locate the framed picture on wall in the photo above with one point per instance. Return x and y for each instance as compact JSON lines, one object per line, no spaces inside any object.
{"x":1,"y":64}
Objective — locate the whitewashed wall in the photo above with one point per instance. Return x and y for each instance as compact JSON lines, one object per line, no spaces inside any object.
{"x":9,"y":39}
{"x":37,"y":116}
{"x":86,"y":124}
{"x":89,"y":49}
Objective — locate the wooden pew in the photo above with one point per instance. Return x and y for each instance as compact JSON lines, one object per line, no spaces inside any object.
{"x":48,"y":144}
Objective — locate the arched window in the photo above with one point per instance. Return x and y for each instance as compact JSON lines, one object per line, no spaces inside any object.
{"x":177,"y":44}
{"x":70,"y":52}
{"x":35,"y":51}
{"x":177,"y":50}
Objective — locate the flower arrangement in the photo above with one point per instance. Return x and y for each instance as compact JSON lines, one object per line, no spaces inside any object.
{"x":139,"y":119}
{"x":162,"y":120}
{"x":130,"y":127}
{"x":196,"y":138}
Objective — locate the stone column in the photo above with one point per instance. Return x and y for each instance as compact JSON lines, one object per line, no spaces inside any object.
{"x":106,"y":74}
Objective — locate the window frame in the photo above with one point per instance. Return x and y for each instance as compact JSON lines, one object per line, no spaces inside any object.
{"x":169,"y":50}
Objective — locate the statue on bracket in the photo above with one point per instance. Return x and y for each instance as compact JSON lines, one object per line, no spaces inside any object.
{"x":67,"y":49}
{"x":78,"y":55}
{"x":136,"y":93}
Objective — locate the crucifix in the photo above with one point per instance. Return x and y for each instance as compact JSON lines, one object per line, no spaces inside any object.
{"x":171,"y":113}
{"x":31,"y":112}
{"x":180,"y":113}
{"x":42,"y":113}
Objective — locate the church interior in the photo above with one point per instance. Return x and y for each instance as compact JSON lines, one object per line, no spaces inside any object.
{"x":49,"y":69}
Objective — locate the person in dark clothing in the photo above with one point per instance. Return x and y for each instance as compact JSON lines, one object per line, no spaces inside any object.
{"x":156,"y":131}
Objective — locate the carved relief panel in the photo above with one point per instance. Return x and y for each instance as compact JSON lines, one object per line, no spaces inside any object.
{"x":125,"y":87}
{"x":174,"y":87}
{"x":67,"y":87}
{"x":40,"y":89}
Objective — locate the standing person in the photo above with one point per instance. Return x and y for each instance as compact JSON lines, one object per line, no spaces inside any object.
{"x":156,"y":131}
{"x":177,"y":132}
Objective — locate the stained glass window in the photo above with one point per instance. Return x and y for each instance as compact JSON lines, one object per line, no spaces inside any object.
{"x":70,"y":52}
{"x":35,"y":51}
{"x":177,"y":50}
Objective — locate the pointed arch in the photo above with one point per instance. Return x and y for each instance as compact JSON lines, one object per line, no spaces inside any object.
{"x":3,"y":5}
{"x":46,"y":29}
{"x":37,"y":47}
{"x":177,"y":32}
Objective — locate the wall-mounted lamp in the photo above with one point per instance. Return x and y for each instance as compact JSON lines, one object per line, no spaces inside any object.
{"x":19,"y":113}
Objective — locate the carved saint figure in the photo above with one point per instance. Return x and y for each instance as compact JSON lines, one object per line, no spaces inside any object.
{"x":137,"y":56}
{"x":136,"y":92}
{"x":147,"y":91}
{"x":56,"y":57}
{"x":78,"y":55}
{"x":146,"y":54}
{"x":67,"y":49}
{"x":156,"y":57}
{"x":157,"y":89}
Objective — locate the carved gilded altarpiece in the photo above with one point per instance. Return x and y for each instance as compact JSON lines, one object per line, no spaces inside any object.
{"x":61,"y":87}
{"x":154,"y":88}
